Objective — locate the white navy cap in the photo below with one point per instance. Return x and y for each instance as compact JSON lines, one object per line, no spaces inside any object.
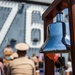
{"x":22,"y":46}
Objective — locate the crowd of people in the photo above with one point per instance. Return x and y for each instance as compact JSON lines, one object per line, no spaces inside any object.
{"x":62,"y":67}
{"x":18,"y":63}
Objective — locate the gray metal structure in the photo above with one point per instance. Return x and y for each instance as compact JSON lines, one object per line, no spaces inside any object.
{"x":17,"y":29}
{"x":34,"y":1}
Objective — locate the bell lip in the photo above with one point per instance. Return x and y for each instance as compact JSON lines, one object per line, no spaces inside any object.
{"x":68,"y":49}
{"x":56,"y":51}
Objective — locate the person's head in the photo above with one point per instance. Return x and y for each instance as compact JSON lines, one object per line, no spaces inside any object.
{"x":14,"y":56}
{"x":21,"y":48}
{"x":33,"y":55}
{"x":8,"y":45}
{"x":69,"y":58}
{"x":1,"y":60}
{"x":8,"y":50}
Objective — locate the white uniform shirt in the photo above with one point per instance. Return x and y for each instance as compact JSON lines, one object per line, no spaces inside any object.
{"x":21,"y":66}
{"x":69,"y":65}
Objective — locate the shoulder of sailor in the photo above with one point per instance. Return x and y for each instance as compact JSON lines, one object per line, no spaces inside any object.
{"x":31,"y":62}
